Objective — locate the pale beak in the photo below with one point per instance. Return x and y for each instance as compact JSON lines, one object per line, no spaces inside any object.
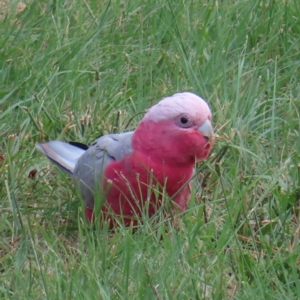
{"x":207,"y":130}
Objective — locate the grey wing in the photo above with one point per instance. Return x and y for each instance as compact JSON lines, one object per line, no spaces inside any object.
{"x":88,"y":173}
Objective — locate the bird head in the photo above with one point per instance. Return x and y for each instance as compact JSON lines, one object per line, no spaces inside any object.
{"x":176,"y":130}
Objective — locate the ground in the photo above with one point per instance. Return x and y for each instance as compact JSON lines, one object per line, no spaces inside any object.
{"x":74,"y":70}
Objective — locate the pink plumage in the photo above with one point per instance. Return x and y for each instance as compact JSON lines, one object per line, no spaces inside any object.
{"x":161,"y":152}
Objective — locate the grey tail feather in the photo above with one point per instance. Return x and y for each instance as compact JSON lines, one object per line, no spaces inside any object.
{"x":64,"y":155}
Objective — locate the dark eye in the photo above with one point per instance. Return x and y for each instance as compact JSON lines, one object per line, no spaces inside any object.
{"x":184,"y":121}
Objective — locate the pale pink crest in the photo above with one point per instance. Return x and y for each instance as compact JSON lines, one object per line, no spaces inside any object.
{"x":180,"y":103}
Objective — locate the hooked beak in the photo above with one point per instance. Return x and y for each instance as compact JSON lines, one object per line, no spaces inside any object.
{"x":207,"y":130}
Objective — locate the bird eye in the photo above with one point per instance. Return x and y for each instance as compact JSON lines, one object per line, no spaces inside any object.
{"x":183,"y":121}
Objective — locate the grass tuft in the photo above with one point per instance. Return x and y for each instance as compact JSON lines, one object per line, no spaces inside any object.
{"x":75,"y":70}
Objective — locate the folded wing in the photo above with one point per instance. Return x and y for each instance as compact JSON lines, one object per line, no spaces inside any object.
{"x":87,"y":166}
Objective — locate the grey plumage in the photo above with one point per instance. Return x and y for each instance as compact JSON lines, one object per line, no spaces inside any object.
{"x":64,"y":155}
{"x":86,"y":166}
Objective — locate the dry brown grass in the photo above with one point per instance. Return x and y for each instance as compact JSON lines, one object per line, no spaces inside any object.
{"x":6,"y":7}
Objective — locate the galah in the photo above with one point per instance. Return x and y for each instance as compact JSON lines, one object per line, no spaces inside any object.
{"x":121,"y":176}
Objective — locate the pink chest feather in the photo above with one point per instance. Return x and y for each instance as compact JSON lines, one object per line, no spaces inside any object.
{"x":136,"y":183}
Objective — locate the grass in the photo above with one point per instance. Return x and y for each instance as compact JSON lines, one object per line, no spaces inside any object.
{"x":75,"y":70}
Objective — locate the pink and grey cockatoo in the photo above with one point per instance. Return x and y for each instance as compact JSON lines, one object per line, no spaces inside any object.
{"x":121,"y":169}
